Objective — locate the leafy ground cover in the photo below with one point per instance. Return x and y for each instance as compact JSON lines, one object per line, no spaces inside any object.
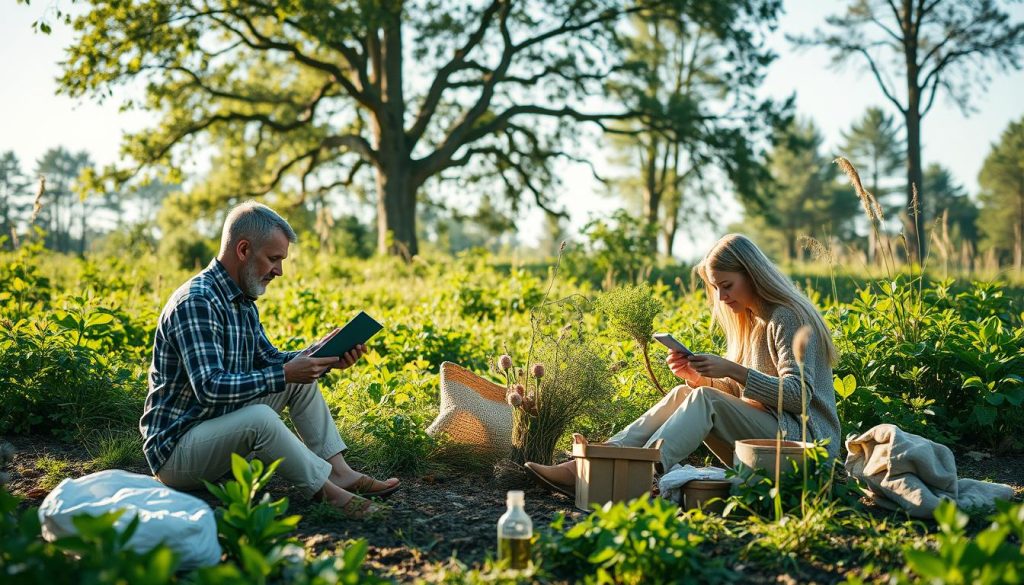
{"x":443,"y":521}
{"x":939,"y":358}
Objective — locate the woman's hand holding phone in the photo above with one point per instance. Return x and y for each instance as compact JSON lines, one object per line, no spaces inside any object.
{"x":679,"y":363}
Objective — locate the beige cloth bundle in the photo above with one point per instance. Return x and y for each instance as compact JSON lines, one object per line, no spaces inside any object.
{"x":473,"y":412}
{"x":905,"y":471}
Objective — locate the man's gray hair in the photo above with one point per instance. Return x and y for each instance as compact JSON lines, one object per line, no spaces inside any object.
{"x":254,"y":222}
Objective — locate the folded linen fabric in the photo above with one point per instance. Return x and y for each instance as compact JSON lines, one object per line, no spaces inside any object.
{"x":904,"y":471}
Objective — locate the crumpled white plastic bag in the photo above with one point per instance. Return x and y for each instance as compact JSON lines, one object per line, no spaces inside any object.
{"x":183,"y":522}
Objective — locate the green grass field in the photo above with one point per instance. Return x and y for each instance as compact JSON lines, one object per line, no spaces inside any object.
{"x":940,"y":358}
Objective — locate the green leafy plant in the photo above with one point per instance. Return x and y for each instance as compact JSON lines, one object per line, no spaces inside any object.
{"x":755,"y":493}
{"x":631,"y":310}
{"x":993,"y":556}
{"x":620,"y":245}
{"x":253,"y":534}
{"x":642,"y":541}
{"x":256,"y":536}
{"x":492,"y":572}
{"x":104,"y":555}
{"x":950,"y":382}
{"x":50,"y":384}
{"x":100,"y":552}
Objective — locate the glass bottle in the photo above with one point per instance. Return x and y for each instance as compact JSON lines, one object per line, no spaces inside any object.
{"x":515,"y":530}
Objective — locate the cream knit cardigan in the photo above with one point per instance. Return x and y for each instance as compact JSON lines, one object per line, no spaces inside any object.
{"x":772,"y":358}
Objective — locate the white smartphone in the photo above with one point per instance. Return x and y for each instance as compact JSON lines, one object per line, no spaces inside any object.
{"x":672,"y":343}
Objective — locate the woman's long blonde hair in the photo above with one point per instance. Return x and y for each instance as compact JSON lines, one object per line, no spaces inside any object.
{"x":737,"y":253}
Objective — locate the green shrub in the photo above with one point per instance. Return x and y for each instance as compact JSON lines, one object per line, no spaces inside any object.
{"x":993,"y":556}
{"x":755,"y":492}
{"x":617,"y":249}
{"x":643,"y":541}
{"x":53,"y":385}
{"x":631,"y":311}
{"x":939,"y":365}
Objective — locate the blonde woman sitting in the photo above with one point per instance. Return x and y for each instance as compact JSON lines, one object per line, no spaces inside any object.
{"x":726,"y":399}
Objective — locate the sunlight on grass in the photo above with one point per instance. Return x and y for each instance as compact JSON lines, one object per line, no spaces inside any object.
{"x":54,"y":471}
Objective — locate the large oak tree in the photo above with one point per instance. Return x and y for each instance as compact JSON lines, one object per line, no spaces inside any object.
{"x":311,"y":93}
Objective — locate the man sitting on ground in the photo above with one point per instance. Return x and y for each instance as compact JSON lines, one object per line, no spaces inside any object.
{"x":217,"y":385}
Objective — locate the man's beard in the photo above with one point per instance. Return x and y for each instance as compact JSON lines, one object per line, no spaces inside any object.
{"x":252,"y":284}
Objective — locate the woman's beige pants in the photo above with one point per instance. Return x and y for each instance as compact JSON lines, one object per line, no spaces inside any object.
{"x":204,"y":452}
{"x":686,"y":416}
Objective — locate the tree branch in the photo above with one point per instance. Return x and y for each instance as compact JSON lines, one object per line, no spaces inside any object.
{"x":878,"y":77}
{"x":931,"y":97}
{"x":264,"y":43}
{"x":283,"y":169}
{"x":355,"y":143}
{"x":440,"y":82}
{"x":199,"y":83}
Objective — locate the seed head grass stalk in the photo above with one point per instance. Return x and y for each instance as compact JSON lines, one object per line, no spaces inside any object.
{"x":574,"y":376}
{"x":800,"y":341}
{"x":778,"y":459}
{"x":907,"y":327}
{"x":37,"y":203}
{"x":543,"y":301}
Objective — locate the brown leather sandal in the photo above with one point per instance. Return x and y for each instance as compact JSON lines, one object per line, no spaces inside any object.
{"x":363,"y":486}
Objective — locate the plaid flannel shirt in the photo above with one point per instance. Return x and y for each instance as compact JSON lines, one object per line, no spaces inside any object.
{"x":210,"y":356}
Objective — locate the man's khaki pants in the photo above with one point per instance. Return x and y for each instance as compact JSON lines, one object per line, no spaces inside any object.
{"x":686,"y":416}
{"x":204,"y":452}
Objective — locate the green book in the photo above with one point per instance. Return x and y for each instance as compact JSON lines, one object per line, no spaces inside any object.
{"x":343,"y":339}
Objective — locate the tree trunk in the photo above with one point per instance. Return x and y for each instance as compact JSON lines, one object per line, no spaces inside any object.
{"x":669,"y":233}
{"x":1018,"y":233}
{"x":396,"y":213}
{"x":396,"y":187}
{"x":1017,"y":255}
{"x":5,"y":224}
{"x":652,"y":190}
{"x":81,"y":244}
{"x":915,"y":209}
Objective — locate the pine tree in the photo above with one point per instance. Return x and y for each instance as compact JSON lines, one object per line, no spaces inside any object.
{"x":874,"y":145}
{"x":1002,"y":195}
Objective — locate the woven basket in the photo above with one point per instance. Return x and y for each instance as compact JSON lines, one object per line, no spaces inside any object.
{"x":473,"y":412}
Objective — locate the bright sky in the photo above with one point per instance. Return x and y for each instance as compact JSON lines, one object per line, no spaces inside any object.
{"x":35,"y":119}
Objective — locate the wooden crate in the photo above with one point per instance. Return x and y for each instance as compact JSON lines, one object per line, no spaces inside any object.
{"x":606,"y":473}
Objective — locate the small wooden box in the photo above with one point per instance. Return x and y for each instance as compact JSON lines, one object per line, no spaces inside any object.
{"x":606,"y":473}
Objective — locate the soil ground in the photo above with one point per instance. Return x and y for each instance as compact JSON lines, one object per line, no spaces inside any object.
{"x":434,"y":517}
